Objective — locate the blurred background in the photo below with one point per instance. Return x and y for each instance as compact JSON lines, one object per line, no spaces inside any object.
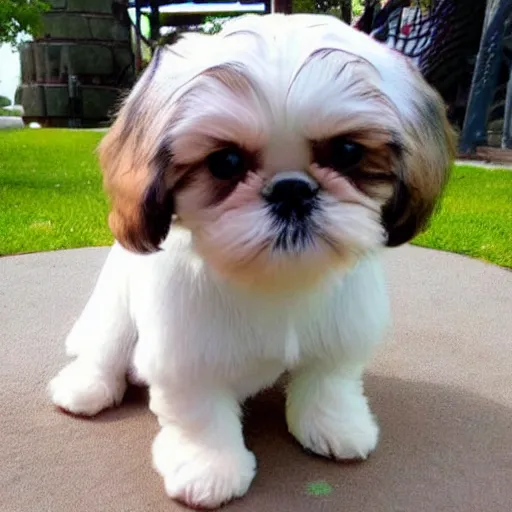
{"x":65,"y":64}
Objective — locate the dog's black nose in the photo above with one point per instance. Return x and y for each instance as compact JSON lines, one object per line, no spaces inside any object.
{"x":291,"y":197}
{"x":291,"y":190}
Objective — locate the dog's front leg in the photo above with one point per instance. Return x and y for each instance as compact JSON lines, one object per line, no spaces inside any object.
{"x":102,"y":340}
{"x":328,"y":413}
{"x":200,"y":451}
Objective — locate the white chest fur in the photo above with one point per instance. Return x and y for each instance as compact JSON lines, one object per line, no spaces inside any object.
{"x":189,"y":321}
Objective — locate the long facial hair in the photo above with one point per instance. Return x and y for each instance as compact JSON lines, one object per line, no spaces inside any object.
{"x":284,"y":149}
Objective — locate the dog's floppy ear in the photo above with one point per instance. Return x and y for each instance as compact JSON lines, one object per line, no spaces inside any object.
{"x":135,"y":179}
{"x":136,"y":163}
{"x":135,"y":155}
{"x":425,"y":160}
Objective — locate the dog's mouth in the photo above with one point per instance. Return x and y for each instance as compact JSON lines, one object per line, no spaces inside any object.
{"x":294,"y":237}
{"x":297,"y":229}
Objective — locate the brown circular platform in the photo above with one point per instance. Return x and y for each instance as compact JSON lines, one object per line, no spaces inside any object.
{"x":441,"y":388}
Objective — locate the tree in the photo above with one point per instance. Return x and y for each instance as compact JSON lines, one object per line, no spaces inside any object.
{"x":344,"y":9}
{"x":4,"y":102}
{"x":18,"y":16}
{"x":303,"y":6}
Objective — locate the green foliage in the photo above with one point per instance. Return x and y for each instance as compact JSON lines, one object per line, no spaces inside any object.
{"x":213,"y":24}
{"x":330,"y":6}
{"x":19,"y":16}
{"x":303,"y":6}
{"x":4,"y":102}
{"x":425,"y":4}
{"x":10,"y":112}
{"x":357,"y":8}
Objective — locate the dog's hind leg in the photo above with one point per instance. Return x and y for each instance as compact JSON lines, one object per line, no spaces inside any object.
{"x":102,"y":340}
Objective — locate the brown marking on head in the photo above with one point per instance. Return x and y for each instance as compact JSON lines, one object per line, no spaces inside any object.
{"x":429,"y":148}
{"x":134,"y":176}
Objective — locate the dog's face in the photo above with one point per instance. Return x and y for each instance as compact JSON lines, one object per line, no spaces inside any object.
{"x":287,"y":145}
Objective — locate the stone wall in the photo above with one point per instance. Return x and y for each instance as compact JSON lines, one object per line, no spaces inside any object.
{"x":82,"y":44}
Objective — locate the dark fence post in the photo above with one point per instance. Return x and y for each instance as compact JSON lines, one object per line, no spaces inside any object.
{"x":485,"y":76}
{"x":138,"y":49}
{"x":154,"y":21}
{"x":282,"y":6}
{"x":346,"y":11}
{"x":74,"y":102}
{"x":506,"y":139}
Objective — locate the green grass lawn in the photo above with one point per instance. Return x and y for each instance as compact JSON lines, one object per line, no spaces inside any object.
{"x":50,"y":191}
{"x":475,"y":217}
{"x":51,"y":198}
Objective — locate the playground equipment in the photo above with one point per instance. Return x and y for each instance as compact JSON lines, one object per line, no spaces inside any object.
{"x":180,"y":14}
{"x":464,"y":49}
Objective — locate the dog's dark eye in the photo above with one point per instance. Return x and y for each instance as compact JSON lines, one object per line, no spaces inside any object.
{"x":227,"y":163}
{"x":345,"y":153}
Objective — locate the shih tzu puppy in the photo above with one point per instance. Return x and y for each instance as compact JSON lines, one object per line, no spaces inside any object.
{"x":255,"y":176}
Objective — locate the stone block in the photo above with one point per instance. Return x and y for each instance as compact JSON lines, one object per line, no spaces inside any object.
{"x":53,"y":67}
{"x":124,"y":66}
{"x":33,"y":100}
{"x":40,"y":62}
{"x":89,"y":59}
{"x":98,"y":6}
{"x":57,"y":4}
{"x":61,"y":25}
{"x":27,"y":63}
{"x":55,"y":61}
{"x":47,"y":62}
{"x":57,"y":100}
{"x":108,"y":29}
{"x":98,"y":102}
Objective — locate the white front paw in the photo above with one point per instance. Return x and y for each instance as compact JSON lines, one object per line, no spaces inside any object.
{"x":73,"y":345}
{"x":198,"y":475}
{"x":83,"y":390}
{"x":342,"y":429}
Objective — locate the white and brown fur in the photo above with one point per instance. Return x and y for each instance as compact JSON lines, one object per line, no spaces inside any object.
{"x":195,"y":293}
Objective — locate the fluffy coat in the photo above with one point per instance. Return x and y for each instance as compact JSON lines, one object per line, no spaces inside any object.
{"x":207,"y":296}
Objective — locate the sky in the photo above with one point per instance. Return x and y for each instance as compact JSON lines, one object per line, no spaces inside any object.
{"x":9,"y":71}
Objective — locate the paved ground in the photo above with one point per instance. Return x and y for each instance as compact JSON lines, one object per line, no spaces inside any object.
{"x":486,"y":165}
{"x":441,"y":388}
{"x":11,"y":122}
